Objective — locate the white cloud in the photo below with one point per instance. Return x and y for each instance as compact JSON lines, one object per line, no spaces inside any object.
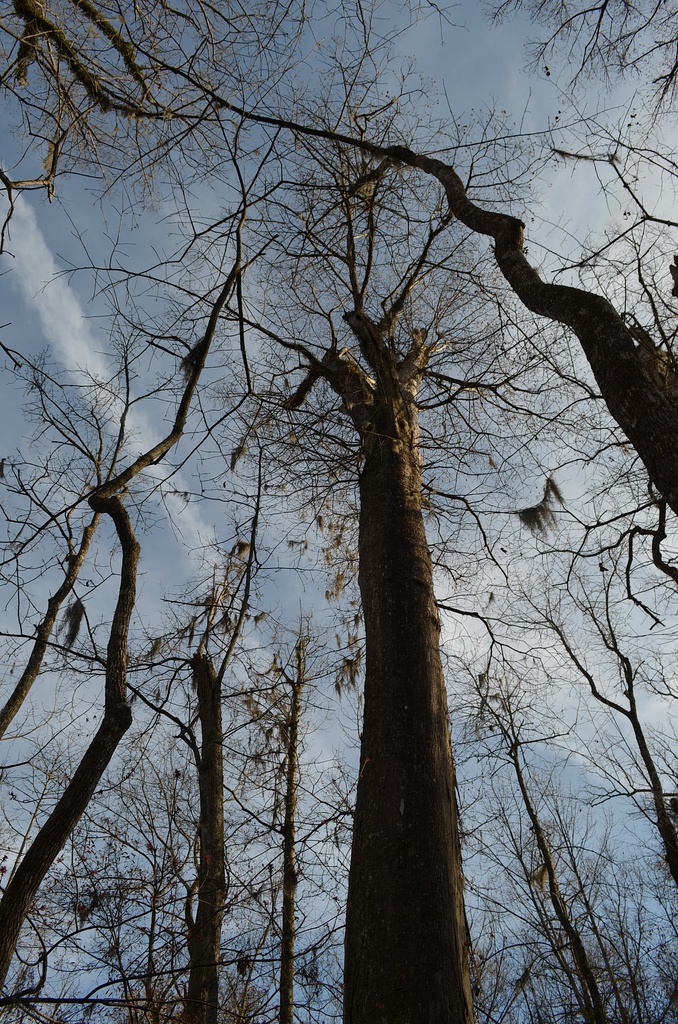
{"x":47,"y":293}
{"x":50,"y":296}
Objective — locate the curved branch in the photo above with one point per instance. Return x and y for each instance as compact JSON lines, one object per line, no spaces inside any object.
{"x":647,"y":416}
{"x":117,"y":719}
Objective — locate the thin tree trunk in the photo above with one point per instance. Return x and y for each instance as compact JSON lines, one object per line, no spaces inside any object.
{"x":201,"y":1002}
{"x":665,"y":826}
{"x":289,"y":851}
{"x":204,"y":938}
{"x":591,"y":1001}
{"x":44,"y":849}
{"x":406,"y":955}
{"x":37,"y":861}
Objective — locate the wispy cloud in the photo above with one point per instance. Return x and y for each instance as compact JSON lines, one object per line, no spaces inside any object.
{"x":47,"y":293}
{"x":36,"y":276}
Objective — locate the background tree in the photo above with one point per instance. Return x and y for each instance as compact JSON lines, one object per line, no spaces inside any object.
{"x":104,"y":483}
{"x":529,"y":971}
{"x":607,"y":39}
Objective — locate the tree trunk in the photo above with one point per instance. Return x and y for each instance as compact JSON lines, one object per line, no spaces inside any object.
{"x":204,"y":939}
{"x":406,"y":955}
{"x":628,"y":381}
{"x":665,"y":827}
{"x":591,"y":1004}
{"x":646,"y":412}
{"x":289,"y":843}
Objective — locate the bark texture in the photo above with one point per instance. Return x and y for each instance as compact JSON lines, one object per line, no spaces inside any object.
{"x":204,"y":933}
{"x":406,"y":955}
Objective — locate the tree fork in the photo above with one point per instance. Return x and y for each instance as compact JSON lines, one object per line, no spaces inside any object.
{"x":647,"y":416}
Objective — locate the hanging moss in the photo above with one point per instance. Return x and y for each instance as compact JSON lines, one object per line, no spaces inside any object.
{"x":539,"y":518}
{"x":73,"y":616}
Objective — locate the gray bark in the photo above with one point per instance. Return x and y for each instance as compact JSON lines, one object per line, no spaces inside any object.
{"x":288,"y":937}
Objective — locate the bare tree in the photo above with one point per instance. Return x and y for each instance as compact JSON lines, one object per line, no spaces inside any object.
{"x":289,"y":929}
{"x":634,"y":677}
{"x":117,"y":717}
{"x":397,"y":362}
{"x":373,"y":359}
{"x":580,"y":913}
{"x":605,"y":40}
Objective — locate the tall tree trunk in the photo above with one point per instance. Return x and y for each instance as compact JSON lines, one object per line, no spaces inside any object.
{"x":289,"y":844}
{"x":406,"y":942}
{"x":204,"y":939}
